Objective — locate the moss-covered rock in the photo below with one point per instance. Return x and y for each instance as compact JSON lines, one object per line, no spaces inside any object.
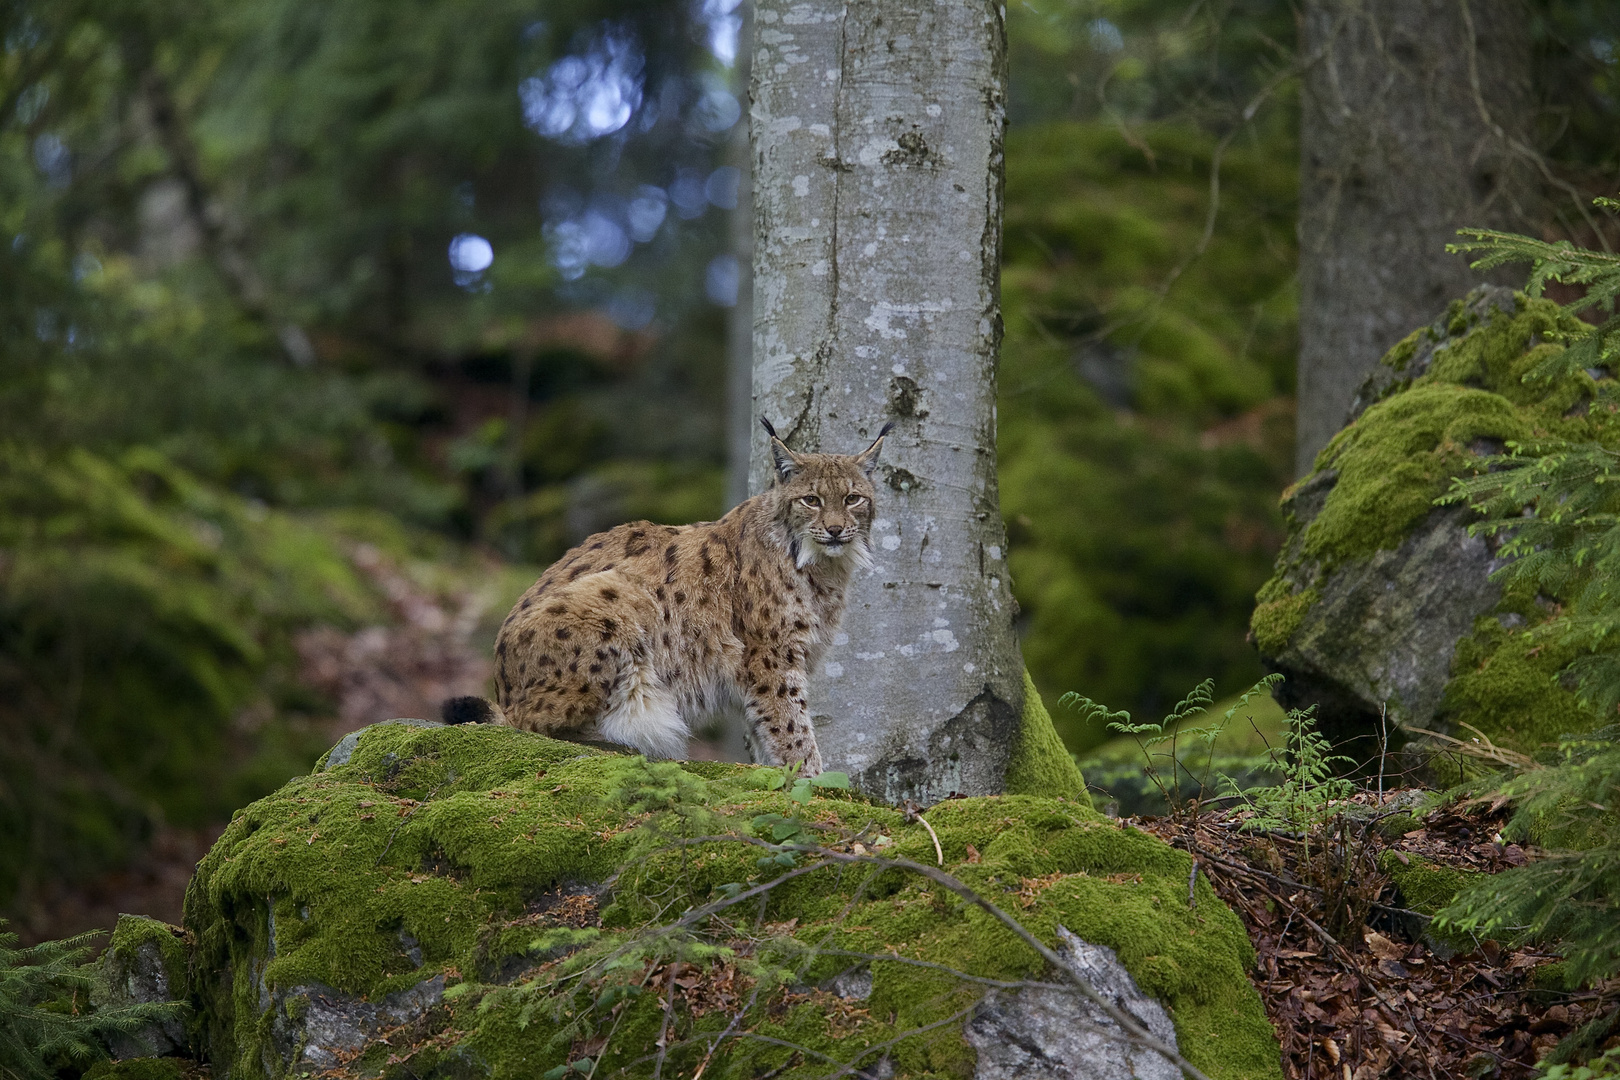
{"x":147,"y":1068}
{"x":1382,"y":599}
{"x":146,"y":962}
{"x":1425,"y":886}
{"x":424,"y":889}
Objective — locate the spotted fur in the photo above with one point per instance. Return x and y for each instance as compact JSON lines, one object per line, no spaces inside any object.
{"x":641,"y":628}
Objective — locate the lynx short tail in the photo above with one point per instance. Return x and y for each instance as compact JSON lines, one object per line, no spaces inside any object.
{"x":471,"y":710}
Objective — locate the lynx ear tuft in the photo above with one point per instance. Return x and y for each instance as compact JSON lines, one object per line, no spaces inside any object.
{"x":787,"y":463}
{"x":867,"y":459}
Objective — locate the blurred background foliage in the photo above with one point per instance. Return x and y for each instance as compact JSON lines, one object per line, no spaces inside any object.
{"x":318,"y":319}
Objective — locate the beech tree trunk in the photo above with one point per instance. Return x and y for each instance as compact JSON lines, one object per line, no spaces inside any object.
{"x":740,"y":420}
{"x":1409,"y":121}
{"x":877,"y":137}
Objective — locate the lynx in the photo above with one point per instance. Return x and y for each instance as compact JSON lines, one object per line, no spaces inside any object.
{"x":644,"y":626}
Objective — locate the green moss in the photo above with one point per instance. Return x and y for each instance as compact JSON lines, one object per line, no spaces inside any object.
{"x":1553,"y":976}
{"x":135,"y":933}
{"x":504,"y":818}
{"x":1505,"y":686}
{"x":1425,"y":886}
{"x":167,"y":1068}
{"x":1398,"y":456}
{"x":1274,"y":621}
{"x":1396,"y":460}
{"x":1041,"y":764}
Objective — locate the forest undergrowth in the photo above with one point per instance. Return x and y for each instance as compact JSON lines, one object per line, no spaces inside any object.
{"x":1339,"y":880}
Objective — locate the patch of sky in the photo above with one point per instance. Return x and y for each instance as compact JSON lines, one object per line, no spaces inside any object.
{"x":589,"y":94}
{"x":470,"y":256}
{"x":716,"y":108}
{"x":721,"y":279}
{"x":1105,"y":36}
{"x":85,"y":265}
{"x":31,"y":102}
{"x":721,"y":187}
{"x":632,"y":308}
{"x":53,"y":159}
{"x":645,"y":213}
{"x":689,"y":193}
{"x":595,"y":235}
{"x":723,"y":25}
{"x":25,"y":33}
{"x":1603,"y":49}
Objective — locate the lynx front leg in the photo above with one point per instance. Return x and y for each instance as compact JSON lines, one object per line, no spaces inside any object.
{"x":781,"y":723}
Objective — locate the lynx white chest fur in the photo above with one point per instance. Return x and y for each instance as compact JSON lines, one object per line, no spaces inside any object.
{"x":645,"y":627}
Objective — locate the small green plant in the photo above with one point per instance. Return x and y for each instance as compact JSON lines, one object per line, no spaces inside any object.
{"x":1167,"y":769}
{"x":1604,"y":1067}
{"x":45,"y":1017}
{"x":792,"y":830}
{"x":1561,"y":261}
{"x":1310,"y":786}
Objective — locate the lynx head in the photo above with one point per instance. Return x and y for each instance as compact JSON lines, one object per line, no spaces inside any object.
{"x":825,"y":500}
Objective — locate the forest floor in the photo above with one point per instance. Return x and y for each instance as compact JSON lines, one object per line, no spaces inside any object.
{"x":1353,"y":983}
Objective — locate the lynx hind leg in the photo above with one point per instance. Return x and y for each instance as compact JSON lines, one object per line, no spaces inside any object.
{"x":646,"y":716}
{"x":563,"y":664}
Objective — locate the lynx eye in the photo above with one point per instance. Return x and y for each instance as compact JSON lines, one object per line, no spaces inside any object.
{"x":812,"y":501}
{"x":854,"y":500}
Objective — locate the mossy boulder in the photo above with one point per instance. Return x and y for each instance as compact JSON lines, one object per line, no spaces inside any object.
{"x":412,"y":907}
{"x":146,"y":962}
{"x":1380,"y":598}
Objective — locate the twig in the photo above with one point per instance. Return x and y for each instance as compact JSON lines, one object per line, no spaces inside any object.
{"x":845,"y":1070}
{"x":1383,"y":747}
{"x":1514,"y":144}
{"x":914,"y":814}
{"x":1192,"y":881}
{"x":1482,"y":747}
{"x":735,"y":1020}
{"x":663,"y":1028}
{"x":891,"y":958}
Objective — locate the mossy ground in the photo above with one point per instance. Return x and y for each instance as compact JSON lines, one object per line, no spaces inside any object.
{"x":1400,"y":455}
{"x":443,"y":851}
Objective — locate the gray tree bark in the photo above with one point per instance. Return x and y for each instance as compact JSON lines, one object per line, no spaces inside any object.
{"x":740,"y":421}
{"x":877,"y":136}
{"x":1413,"y":124}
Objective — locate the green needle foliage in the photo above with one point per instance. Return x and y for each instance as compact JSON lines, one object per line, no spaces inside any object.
{"x":45,"y":1017}
{"x":1566,"y":264}
{"x":1555,"y":504}
{"x":1573,"y":895}
{"x":1556,"y":507}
